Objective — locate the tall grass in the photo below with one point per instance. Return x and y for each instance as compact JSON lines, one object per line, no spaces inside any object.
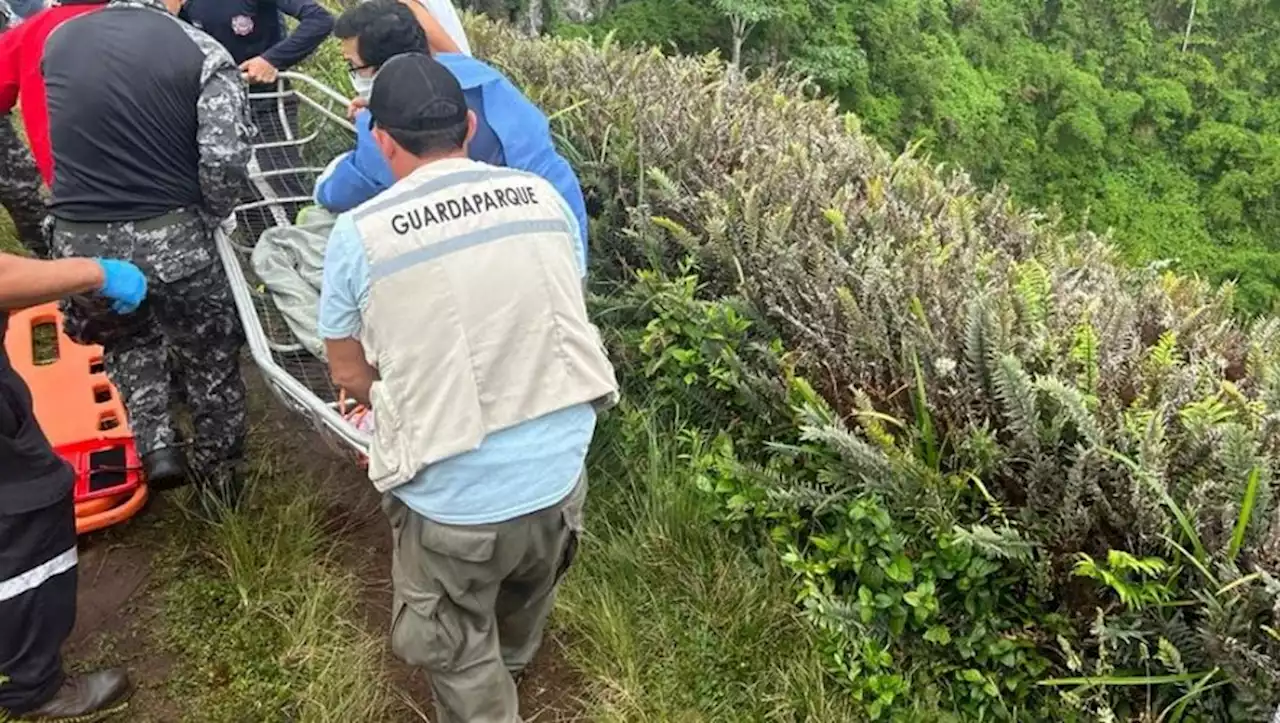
{"x":264,"y":618}
{"x":670,"y":619}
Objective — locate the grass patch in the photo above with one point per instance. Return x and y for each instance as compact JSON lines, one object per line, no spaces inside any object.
{"x":264,"y":619}
{"x":256,"y":616}
{"x":671,"y":618}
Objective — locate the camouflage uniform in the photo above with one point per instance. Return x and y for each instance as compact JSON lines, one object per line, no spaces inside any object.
{"x":20,"y":181}
{"x":183,"y":343}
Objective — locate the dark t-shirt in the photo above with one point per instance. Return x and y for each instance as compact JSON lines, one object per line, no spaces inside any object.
{"x":249,"y":28}
{"x":122,"y":85}
{"x":246,"y":28}
{"x":32,"y":476}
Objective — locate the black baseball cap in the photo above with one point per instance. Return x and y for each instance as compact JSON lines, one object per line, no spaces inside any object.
{"x":413,"y":92}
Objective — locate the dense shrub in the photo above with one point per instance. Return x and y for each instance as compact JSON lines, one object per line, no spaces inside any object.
{"x":1015,"y":479}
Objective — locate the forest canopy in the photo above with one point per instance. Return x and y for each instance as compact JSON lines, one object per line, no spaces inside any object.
{"x":1158,"y":119}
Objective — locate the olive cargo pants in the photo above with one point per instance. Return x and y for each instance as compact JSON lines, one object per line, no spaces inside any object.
{"x":471,"y":602}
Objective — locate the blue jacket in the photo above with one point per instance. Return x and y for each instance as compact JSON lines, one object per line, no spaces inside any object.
{"x":521,"y":129}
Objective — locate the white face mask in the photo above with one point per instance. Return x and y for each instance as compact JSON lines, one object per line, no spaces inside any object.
{"x":362,"y":85}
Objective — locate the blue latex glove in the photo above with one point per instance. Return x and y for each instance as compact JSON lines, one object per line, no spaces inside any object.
{"x":124,"y":284}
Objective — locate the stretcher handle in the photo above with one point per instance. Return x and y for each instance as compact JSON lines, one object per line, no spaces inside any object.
{"x":116,"y":468}
{"x":357,"y":412}
{"x":353,"y":417}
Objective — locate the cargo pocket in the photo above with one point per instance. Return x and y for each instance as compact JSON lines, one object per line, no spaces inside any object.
{"x":458,"y":558}
{"x":457,"y":565}
{"x":423,"y":633}
{"x":572,"y":516}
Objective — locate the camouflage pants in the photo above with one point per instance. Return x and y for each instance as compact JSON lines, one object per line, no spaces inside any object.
{"x":182,"y":345}
{"x":20,"y":185}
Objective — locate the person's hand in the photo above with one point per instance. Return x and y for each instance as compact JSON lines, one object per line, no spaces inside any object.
{"x":123,"y":283}
{"x":258,"y":70}
{"x":355,"y":106}
{"x":229,"y":225}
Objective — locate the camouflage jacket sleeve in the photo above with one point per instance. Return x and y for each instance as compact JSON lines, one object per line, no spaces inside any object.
{"x":224,"y":133}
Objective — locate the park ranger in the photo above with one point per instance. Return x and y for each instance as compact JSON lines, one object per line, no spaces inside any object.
{"x":37,"y":513}
{"x":453,"y":304}
{"x":150,"y":133}
{"x":19,"y":178}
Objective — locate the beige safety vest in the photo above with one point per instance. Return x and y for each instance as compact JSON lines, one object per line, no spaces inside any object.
{"x":475,"y":319}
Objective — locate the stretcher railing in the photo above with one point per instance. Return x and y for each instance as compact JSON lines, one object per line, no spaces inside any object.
{"x":302,"y":126}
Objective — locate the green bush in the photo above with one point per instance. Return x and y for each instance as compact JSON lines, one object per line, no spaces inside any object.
{"x":688,"y":25}
{"x":1014,"y":479}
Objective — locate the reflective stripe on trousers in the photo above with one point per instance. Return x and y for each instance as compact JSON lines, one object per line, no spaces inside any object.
{"x":38,"y":575}
{"x":38,"y":579}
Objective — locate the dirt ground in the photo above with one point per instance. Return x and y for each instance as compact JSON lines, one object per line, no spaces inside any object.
{"x":118,"y":609}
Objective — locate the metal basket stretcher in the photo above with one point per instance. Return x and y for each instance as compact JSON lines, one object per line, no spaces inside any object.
{"x":283,"y":172}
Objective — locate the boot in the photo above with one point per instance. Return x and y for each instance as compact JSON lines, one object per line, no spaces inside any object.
{"x":92,"y":694}
{"x":165,"y":469}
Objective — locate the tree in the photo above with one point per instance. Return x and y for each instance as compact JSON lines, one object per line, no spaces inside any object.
{"x":1159,"y":119}
{"x":743,"y":17}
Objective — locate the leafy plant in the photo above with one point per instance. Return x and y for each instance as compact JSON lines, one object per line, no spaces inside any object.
{"x":905,"y":385}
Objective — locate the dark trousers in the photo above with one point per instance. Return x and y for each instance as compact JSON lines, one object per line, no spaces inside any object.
{"x":37,"y":603}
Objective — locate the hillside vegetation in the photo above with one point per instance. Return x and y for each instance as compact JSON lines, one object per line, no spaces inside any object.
{"x":1158,"y":118}
{"x":892,"y":447}
{"x":1011,"y":477}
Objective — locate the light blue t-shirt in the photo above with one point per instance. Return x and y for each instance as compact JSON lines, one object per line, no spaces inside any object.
{"x":513,"y":472}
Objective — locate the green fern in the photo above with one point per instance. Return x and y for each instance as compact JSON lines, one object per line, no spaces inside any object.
{"x":1017,"y":395}
{"x":839,"y":227}
{"x":1006,"y":543}
{"x":872,"y":422}
{"x":1126,"y":576}
{"x":681,"y":234}
{"x":1163,"y":357}
{"x":861,"y":459}
{"x":663,"y":185}
{"x":1075,"y":406}
{"x":1201,"y":416}
{"x":981,"y":342}
{"x":1084,"y":352}
{"x":1034,"y":288}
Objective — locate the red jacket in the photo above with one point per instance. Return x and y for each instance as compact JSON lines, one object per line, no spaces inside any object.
{"x":21,"y":53}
